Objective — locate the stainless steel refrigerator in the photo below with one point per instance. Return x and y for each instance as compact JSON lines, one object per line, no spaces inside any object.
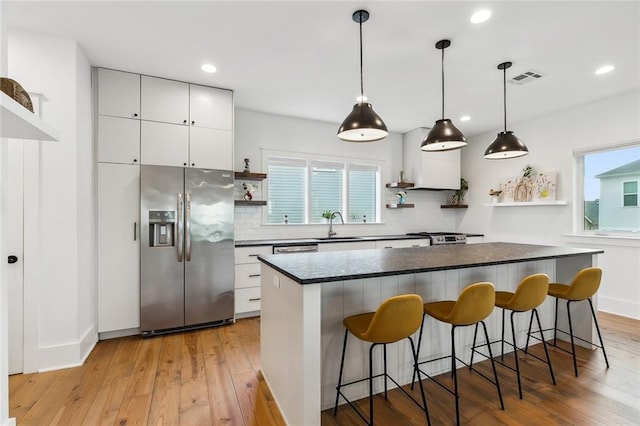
{"x":187,"y":261}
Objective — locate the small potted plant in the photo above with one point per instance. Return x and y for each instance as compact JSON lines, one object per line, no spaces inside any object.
{"x":401,"y":195}
{"x":327,"y":215}
{"x":458,"y":195}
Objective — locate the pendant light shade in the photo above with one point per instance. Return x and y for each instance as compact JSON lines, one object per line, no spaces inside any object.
{"x":363,"y":124}
{"x":506,"y":144}
{"x":443,"y":136}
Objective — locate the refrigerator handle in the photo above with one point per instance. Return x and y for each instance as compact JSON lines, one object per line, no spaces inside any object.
{"x":187,"y":227}
{"x":180,"y":229}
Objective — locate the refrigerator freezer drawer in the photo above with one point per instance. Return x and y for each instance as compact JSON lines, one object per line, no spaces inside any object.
{"x":247,"y":300}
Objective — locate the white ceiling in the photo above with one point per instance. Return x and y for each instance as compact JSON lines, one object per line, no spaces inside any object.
{"x":300,"y":58}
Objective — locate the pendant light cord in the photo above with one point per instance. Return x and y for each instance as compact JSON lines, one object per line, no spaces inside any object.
{"x":504,"y":97}
{"x":442,"y":68}
{"x":361,"y":77}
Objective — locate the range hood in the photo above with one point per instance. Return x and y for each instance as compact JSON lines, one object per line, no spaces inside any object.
{"x":435,"y":170}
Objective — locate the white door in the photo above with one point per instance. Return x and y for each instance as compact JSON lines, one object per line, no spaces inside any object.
{"x":210,"y":107}
{"x":164,"y":100}
{"x":163,"y":144}
{"x":118,"y":140}
{"x":15,"y":246}
{"x":118,"y":94}
{"x":210,"y":148}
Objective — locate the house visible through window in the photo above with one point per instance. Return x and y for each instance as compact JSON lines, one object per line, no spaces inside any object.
{"x":610,"y":188}
{"x":302,"y":187}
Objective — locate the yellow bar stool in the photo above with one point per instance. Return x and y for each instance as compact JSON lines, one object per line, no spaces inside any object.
{"x":583,"y":286}
{"x":397,"y":318}
{"x":530,"y":294}
{"x":474,"y":304}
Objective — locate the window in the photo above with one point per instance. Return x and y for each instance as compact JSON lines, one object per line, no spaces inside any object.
{"x":630,"y":194}
{"x":610,"y":188}
{"x":301,"y":187}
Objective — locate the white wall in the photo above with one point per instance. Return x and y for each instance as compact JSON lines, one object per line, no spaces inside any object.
{"x":551,"y":140}
{"x":64,"y":316}
{"x":255,"y":131}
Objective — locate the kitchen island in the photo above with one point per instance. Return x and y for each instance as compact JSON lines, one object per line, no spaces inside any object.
{"x":306,"y":296}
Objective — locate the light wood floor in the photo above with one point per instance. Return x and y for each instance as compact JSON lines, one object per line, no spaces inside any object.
{"x":211,"y":377}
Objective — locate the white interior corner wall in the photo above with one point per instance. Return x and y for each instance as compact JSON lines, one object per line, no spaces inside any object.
{"x":257,"y":131}
{"x":551,"y":140}
{"x":60,"y":328}
{"x":4,"y":318}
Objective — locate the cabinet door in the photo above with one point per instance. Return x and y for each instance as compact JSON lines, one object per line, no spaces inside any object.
{"x":163,"y":144}
{"x":210,"y":107}
{"x":118,"y":246}
{"x":118,"y":93}
{"x":360,"y":245}
{"x":403,"y":243}
{"x":441,"y":169}
{"x":164,"y":100}
{"x":210,"y":148}
{"x":118,"y":140}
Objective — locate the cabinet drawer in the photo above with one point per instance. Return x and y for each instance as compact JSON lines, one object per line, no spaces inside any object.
{"x":403,"y":243}
{"x":250,"y":254}
{"x":247,"y":300}
{"x":248,"y":275}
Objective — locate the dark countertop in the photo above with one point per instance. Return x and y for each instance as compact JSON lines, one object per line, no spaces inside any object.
{"x":311,"y":268}
{"x":324,"y":240}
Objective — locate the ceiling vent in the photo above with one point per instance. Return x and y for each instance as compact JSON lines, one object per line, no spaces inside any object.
{"x":525,"y":77}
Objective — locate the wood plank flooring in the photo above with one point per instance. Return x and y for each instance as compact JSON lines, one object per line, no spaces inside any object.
{"x":211,"y":377}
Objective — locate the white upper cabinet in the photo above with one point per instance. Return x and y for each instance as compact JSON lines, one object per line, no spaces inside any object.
{"x":211,"y":107}
{"x":210,"y":148}
{"x":429,"y":170}
{"x":118,"y":94}
{"x":166,"y":101}
{"x":118,"y":140}
{"x":163,"y":144}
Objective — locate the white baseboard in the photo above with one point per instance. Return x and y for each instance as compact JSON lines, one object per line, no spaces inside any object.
{"x":68,"y":355}
{"x":11,"y":422}
{"x":118,"y":333}
{"x":621,"y":307}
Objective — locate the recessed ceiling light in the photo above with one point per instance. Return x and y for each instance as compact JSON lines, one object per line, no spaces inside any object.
{"x":604,"y":69}
{"x":480,"y":16}
{"x":465,"y":118}
{"x":208,"y":68}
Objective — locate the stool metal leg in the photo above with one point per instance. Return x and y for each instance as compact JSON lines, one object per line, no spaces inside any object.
{"x":595,"y":320}
{"x":502,"y":341}
{"x":344,"y":347}
{"x":454,"y":374}
{"x":384,"y":351}
{"x":555,"y":325}
{"x":526,"y":346}
{"x":515,"y":350}
{"x":493,"y":365}
{"x":415,"y":370}
{"x":573,"y":346}
{"x":415,"y":363}
{"x":475,"y":335}
{"x":544,"y":344}
{"x":371,"y":384}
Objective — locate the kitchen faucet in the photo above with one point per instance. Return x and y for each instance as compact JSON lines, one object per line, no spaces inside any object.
{"x":331,"y":216}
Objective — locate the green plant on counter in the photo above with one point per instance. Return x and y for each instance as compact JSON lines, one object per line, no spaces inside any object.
{"x":327,"y":214}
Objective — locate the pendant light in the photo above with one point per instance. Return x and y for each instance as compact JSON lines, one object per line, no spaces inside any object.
{"x":444,"y":136}
{"x":363,"y":124}
{"x":506,"y":145}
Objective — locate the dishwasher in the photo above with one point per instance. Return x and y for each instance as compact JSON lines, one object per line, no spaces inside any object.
{"x":306,"y":248}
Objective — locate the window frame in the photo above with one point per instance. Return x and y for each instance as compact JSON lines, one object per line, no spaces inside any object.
{"x":311,"y":158}
{"x":579,"y":188}
{"x":630,"y":193}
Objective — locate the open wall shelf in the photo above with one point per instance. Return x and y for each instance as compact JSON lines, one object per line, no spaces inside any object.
{"x":250,"y":176}
{"x":250,"y":203}
{"x":20,"y":123}
{"x":400,"y":185}
{"x":400,"y":206}
{"x":527,"y":204}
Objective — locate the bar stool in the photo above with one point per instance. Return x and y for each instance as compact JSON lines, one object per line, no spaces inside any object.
{"x":397,"y":318}
{"x":583,"y":286}
{"x":474,"y":304}
{"x":530,"y":294}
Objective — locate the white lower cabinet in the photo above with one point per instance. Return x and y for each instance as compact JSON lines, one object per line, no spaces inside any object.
{"x":118,"y":247}
{"x":359,"y":245}
{"x":247,"y":281}
{"x":474,"y":240}
{"x":403,"y":243}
